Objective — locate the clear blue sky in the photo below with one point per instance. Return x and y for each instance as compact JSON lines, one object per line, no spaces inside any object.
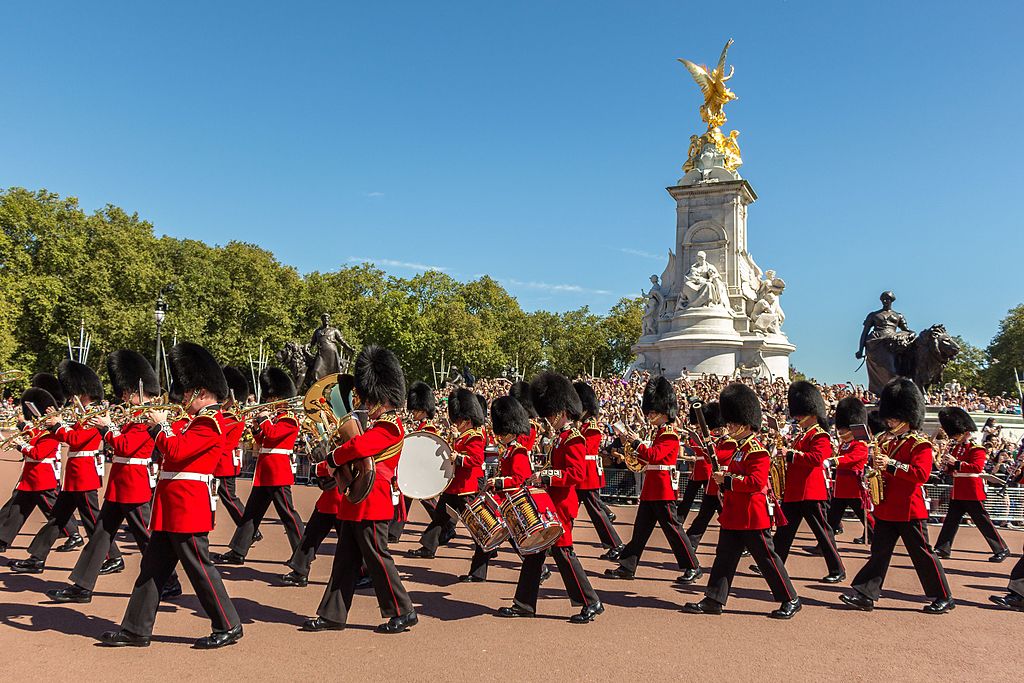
{"x":533,"y":141}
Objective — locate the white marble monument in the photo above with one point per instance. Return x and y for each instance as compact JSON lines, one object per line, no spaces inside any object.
{"x":713,"y":310}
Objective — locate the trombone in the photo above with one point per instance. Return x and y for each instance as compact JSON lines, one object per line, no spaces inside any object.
{"x":293,"y":404}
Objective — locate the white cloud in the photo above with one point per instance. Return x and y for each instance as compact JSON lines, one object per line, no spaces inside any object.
{"x":548,"y":287}
{"x":374,"y":195}
{"x":642,"y":254}
{"x":407,"y":265}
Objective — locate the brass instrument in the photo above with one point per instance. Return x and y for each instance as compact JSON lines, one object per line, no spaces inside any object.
{"x":777,"y":462}
{"x":293,"y":404}
{"x":633,"y":463}
{"x":7,"y":443}
{"x":874,"y":483}
{"x":11,"y":376}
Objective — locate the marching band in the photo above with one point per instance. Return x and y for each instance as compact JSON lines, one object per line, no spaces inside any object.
{"x":173,"y":459}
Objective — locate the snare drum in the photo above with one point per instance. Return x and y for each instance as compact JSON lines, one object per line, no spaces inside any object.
{"x":531,"y":519}
{"x":482,"y":517}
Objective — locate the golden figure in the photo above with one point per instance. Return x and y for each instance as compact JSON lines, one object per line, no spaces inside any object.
{"x":716,"y":96}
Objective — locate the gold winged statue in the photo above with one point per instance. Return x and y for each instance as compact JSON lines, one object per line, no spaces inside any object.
{"x":716,"y":96}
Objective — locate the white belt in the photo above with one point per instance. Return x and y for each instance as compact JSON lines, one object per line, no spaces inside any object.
{"x":44,"y":461}
{"x":967,"y":475}
{"x":662,"y":468}
{"x":187,"y":476}
{"x":592,"y":457}
{"x":278,"y":451}
{"x":132,"y":461}
{"x":83,"y":454}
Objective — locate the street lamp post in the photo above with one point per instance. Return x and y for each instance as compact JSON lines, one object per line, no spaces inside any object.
{"x":159,"y":313}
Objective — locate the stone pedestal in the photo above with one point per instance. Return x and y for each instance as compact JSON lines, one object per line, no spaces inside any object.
{"x":711,"y":217}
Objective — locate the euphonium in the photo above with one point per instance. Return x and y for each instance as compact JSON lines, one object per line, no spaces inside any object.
{"x":632,"y":462}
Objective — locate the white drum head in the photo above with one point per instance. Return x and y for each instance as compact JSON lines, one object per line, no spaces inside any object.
{"x":426,"y":466}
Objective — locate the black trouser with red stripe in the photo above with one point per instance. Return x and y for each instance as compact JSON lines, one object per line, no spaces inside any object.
{"x":731,"y":543}
{"x":914,"y":533}
{"x":317,"y":529}
{"x":227,"y":495}
{"x":709,"y":505}
{"x":360,"y":542}
{"x":87,"y":504}
{"x":577,"y":585}
{"x":1017,"y":578}
{"x":441,"y":520}
{"x":598,"y":512}
{"x":663,"y":513}
{"x":112,"y":514}
{"x":813,"y":512}
{"x":20,"y":506}
{"x":693,"y":486}
{"x":256,"y":507}
{"x":979,"y":515}
{"x":397,"y":525}
{"x":837,"y":508}
{"x":162,"y":555}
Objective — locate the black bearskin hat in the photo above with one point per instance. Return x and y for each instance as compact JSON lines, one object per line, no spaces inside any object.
{"x":520,"y":391}
{"x":126,"y":369}
{"x":421,"y":397}
{"x":508,"y":416}
{"x":851,"y":411}
{"x":804,"y":399}
{"x":379,"y":379}
{"x":40,"y":398}
{"x":956,"y":421}
{"x":50,"y":384}
{"x":464,"y":405}
{"x":875,"y":423}
{"x":740,"y":405}
{"x":552,"y":394}
{"x":193,"y":368}
{"x":238,"y":385}
{"x":78,"y":379}
{"x":482,"y":400}
{"x":588,"y":397}
{"x":902,"y":400}
{"x":713,"y":415}
{"x":660,"y":397}
{"x":275,"y":384}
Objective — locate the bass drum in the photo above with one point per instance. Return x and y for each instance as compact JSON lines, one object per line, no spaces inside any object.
{"x":426,"y":466}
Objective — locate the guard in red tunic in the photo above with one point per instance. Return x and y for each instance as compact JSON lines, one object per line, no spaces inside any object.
{"x":520,"y":391}
{"x":320,"y":523}
{"x":745,"y":517}
{"x":127,"y":497}
{"x":275,"y":471}
{"x":660,"y":488}
{"x":40,"y":451}
{"x":849,"y":460}
{"x":966,"y":462}
{"x":422,"y":404}
{"x":466,"y":415}
{"x":82,"y":476}
{"x":363,"y":538}
{"x":905,"y":459}
{"x":806,"y":492}
{"x":589,"y":491}
{"x":183,"y":507}
{"x":509,"y":421}
{"x":557,"y":402}
{"x":700,"y":471}
{"x":722,"y":448}
{"x":230,"y":465}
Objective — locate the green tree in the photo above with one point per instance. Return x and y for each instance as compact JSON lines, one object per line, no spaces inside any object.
{"x":968,"y":367}
{"x":1006,"y":353}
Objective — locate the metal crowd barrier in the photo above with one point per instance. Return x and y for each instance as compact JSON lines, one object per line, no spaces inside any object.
{"x":623,"y":487}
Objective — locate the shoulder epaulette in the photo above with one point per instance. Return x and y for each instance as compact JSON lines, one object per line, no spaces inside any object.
{"x":289,"y":418}
{"x":670,"y":430}
{"x":472,"y":433}
{"x":388,"y":417}
{"x":208,"y":417}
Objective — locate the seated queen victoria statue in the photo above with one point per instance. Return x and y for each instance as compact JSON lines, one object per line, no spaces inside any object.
{"x":703,"y":286}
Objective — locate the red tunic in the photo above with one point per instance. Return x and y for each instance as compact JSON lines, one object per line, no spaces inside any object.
{"x":805,"y":474}
{"x":469,"y":463}
{"x":233,"y":431}
{"x":275,"y":444}
{"x":702,"y":466}
{"x":329,"y":501}
{"x":132,"y":449}
{"x":84,"y":457}
{"x":745,"y":503}
{"x":967,"y":471}
{"x":660,"y":458}
{"x":184,"y":505}
{"x":382,"y":441}
{"x":41,"y":453}
{"x":529,"y":440}
{"x":514,"y":468}
{"x":904,"y":479}
{"x":725,"y":448}
{"x":850,"y":462}
{"x":594,"y":478}
{"x":426,"y":426}
{"x":567,"y":469}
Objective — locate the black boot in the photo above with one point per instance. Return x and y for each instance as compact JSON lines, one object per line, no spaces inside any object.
{"x":1010,"y":600}
{"x":317,"y":624}
{"x":612,"y":554}
{"x":230,"y":557}
{"x":72,"y":593}
{"x":690,"y":576}
{"x":514,"y":611}
{"x":858,"y":601}
{"x":29,"y":566}
{"x":1000,"y":556}
{"x":295,"y":579}
{"x":123,"y":638}
{"x":74,"y":541}
{"x":705,"y":606}
{"x":219,"y":639}
{"x":835,"y":578}
{"x":619,"y":572}
{"x":786,"y":610}
{"x":940,"y":606}
{"x":398,"y":624}
{"x":112,"y":566}
{"x":587,"y":614}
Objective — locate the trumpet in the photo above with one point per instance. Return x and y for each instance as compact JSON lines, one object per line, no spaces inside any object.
{"x":11,"y":376}
{"x":7,"y":443}
{"x":293,"y":404}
